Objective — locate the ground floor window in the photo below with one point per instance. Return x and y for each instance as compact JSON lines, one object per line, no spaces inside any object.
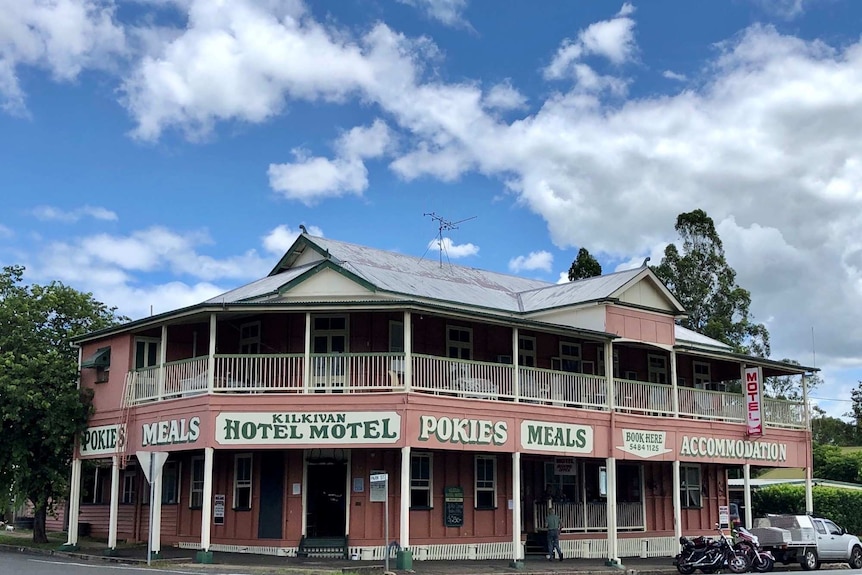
{"x":421,"y":486}
{"x":93,"y":480}
{"x":560,"y":483}
{"x":196,"y":495}
{"x":690,"y":484}
{"x":130,"y":479}
{"x":242,"y":481}
{"x":170,"y":485}
{"x":486,"y":482}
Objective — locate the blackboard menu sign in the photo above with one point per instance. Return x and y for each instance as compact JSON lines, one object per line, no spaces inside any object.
{"x":453,"y":506}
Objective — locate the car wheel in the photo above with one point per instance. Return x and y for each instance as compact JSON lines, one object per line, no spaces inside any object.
{"x":856,"y":557}
{"x":809,"y":560}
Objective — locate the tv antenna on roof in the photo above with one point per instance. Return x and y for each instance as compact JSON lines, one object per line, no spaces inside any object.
{"x":444,"y":224}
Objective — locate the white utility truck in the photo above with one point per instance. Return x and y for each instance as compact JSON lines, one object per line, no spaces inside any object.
{"x":808,"y":540}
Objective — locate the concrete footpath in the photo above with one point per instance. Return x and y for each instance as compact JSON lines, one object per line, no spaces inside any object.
{"x":263,"y":564}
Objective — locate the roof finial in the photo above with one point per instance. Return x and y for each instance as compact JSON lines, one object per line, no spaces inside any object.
{"x":646,"y":259}
{"x":302,"y":227}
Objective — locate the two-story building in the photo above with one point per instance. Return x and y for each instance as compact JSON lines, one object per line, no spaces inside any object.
{"x":291,"y":413}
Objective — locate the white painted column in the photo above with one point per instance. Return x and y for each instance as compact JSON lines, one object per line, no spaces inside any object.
{"x":304,"y":497}
{"x":211,"y":356}
{"x":156,"y":513}
{"x":115,"y":502}
{"x":746,"y":495}
{"x":163,"y":355}
{"x":517,"y":547}
{"x":677,"y":504}
{"x":674,"y":389}
{"x":516,"y":372}
{"x":408,"y":351}
{"x":613,"y":552}
{"x":74,"y":502}
{"x":306,"y":372}
{"x":404,"y":522}
{"x":809,"y":493}
{"x":609,"y":373}
{"x":207,"y":506}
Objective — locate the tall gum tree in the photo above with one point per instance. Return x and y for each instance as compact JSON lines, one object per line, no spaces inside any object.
{"x":699,"y":276}
{"x":41,"y":408}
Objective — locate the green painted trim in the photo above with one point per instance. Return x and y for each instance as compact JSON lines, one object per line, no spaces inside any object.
{"x":204,"y":557}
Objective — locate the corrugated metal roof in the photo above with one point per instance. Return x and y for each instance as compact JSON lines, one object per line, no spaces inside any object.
{"x":687,"y":335}
{"x":571,"y":293}
{"x":259,"y":288}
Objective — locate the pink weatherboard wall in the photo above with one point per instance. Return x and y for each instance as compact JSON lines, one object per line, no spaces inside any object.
{"x":639,"y":325}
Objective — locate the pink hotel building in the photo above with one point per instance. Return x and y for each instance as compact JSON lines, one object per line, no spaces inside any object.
{"x":483,"y":399}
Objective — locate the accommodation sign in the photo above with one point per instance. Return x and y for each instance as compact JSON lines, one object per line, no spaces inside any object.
{"x":644,"y":443}
{"x":308,"y":428}
{"x":557,"y":437}
{"x":102,"y":440}
{"x":173,"y":432}
{"x":694,"y":446}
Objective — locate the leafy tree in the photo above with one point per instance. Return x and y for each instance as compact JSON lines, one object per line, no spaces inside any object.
{"x":832,"y":462}
{"x":790,"y":386}
{"x":699,"y":276}
{"x":584,"y":266}
{"x":827,"y":430}
{"x":855,"y":412}
{"x":41,"y":408}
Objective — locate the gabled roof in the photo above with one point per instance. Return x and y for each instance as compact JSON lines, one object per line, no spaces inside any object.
{"x":428,"y":279}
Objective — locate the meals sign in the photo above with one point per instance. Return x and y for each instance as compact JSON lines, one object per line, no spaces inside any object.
{"x":308,"y":428}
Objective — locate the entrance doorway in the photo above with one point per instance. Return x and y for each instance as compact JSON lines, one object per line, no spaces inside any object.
{"x":326,"y":499}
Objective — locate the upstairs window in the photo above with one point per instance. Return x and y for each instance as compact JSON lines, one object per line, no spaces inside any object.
{"x":249,"y":338}
{"x":459,"y":342}
{"x":657,"y":368}
{"x":526,"y":351}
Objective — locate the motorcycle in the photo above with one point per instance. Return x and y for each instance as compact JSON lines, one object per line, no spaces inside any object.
{"x":709,"y":555}
{"x":747,"y":542}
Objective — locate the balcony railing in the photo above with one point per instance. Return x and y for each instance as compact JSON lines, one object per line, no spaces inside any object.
{"x":385,"y":372}
{"x":590,"y":516}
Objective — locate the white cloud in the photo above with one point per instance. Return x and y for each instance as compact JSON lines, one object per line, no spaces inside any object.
{"x":451,"y":249}
{"x":448,"y":12}
{"x":53,"y":213}
{"x":613,"y":39}
{"x":64,"y":36}
{"x":6,"y":232}
{"x":504,"y":96}
{"x":540,"y":260}
{"x":279,"y":239}
{"x":362,"y":142}
{"x":671,"y":75}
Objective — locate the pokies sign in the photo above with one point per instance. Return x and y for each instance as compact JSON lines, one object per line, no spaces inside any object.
{"x":101,"y":440}
{"x":753,"y":400}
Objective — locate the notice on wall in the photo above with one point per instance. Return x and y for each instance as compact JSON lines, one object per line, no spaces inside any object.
{"x":379,"y":487}
{"x":644,"y":443}
{"x":565,"y":466}
{"x":453,"y":506}
{"x":724,"y":516}
{"x":218,"y":509}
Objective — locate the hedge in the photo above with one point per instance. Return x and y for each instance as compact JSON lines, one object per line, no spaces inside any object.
{"x":843,"y":506}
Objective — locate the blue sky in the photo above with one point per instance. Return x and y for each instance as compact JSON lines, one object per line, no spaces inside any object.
{"x":158,"y":152}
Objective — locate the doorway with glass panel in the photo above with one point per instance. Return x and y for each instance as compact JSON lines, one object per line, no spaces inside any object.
{"x":328,"y":346}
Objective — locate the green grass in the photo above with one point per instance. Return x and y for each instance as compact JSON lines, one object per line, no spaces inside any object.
{"x":24,"y":538}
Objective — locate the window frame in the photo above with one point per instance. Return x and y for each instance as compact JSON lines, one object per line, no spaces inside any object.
{"x":657,"y":371}
{"x":244,"y":483}
{"x":147,"y":341}
{"x":396,"y":336}
{"x":196,"y":486}
{"x":526,"y":355}
{"x":698,"y":378}
{"x":459,"y":344}
{"x":686,"y":489}
{"x":249,"y":345}
{"x":129,"y":485}
{"x":428,"y":487}
{"x":483,"y":489}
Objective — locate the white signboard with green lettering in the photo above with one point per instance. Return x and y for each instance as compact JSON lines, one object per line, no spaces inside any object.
{"x":308,"y":428}
{"x":644,"y":443}
{"x":101,"y":440}
{"x":556,"y":437}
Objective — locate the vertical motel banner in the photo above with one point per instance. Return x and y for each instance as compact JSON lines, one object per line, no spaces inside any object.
{"x":753,"y":386}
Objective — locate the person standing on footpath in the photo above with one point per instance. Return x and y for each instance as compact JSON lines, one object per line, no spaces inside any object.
{"x":553,"y":524}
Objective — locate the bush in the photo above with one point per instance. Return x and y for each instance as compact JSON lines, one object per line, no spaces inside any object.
{"x":843,"y":506}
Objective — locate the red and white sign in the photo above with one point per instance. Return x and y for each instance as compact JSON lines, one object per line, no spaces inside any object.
{"x":753,"y":400}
